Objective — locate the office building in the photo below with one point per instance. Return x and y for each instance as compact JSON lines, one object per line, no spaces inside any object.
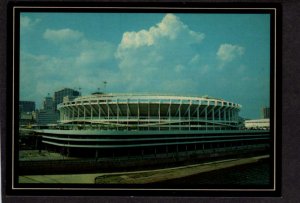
{"x":59,"y":95}
{"x":27,"y":106}
{"x":266,"y":112}
{"x":47,"y":115}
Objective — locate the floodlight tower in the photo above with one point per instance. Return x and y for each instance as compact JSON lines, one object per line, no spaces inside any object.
{"x":79,"y":88}
{"x":104,"y":82}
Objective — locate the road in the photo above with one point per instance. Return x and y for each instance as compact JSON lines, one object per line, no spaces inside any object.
{"x":139,"y":177}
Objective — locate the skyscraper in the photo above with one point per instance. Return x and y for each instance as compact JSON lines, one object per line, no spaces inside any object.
{"x":266,"y":112}
{"x":27,"y":106}
{"x":59,"y":95}
{"x":49,"y":103}
{"x":26,"y":112}
{"x":47,"y":115}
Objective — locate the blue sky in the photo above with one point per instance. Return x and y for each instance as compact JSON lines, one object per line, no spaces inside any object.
{"x":221,"y":55}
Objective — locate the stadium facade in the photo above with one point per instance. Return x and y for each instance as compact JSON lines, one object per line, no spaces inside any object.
{"x":106,"y":125}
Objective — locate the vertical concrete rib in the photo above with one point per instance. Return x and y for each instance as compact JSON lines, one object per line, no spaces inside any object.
{"x":73,"y":113}
{"x":159,"y":115}
{"x":138,"y":121}
{"x":206,"y":115}
{"x":190,"y":114}
{"x":127,"y":114}
{"x":91,"y":111}
{"x":179,"y":113}
{"x":148,"y":114}
{"x":170,"y":114}
{"x":78,"y":113}
{"x":83,"y":112}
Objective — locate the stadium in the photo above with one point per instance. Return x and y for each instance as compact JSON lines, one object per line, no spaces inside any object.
{"x":146,"y":112}
{"x":114,"y":125}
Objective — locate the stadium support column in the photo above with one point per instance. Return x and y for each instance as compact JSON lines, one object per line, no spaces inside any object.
{"x":84,"y":112}
{"x":221,"y":112}
{"x":91,"y":111}
{"x":84,"y":115}
{"x":179,"y":113}
{"x":213,"y":117}
{"x":206,"y":115}
{"x":138,"y":119}
{"x":170,"y":114}
{"x":73,"y":118}
{"x":213,"y":114}
{"x":236,"y":115}
{"x":159,"y":115}
{"x":69,"y":112}
{"x":219,"y":107}
{"x":118,"y":112}
{"x":78,"y":113}
{"x":107,"y":109}
{"x":233,"y":114}
{"x":198,"y":115}
{"x":190,"y":114}
{"x":127,"y":112}
{"x":99,"y":114}
{"x":229,"y":116}
{"x":66,"y":113}
{"x":148,"y":114}
{"x":225,"y":114}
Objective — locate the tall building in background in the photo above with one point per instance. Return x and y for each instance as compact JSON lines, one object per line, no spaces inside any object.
{"x":27,"y":106}
{"x":48,"y":103}
{"x":27,"y":114}
{"x":66,"y":92}
{"x":47,"y":115}
{"x":266,"y":112}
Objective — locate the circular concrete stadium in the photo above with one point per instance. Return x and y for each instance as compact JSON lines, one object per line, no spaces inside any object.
{"x":150,"y":112}
{"x":116,"y":125}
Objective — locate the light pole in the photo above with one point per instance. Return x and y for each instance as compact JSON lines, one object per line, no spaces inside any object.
{"x":79,"y":88}
{"x":104,"y":82}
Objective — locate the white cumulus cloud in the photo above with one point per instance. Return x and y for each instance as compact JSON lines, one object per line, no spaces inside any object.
{"x":93,"y":52}
{"x":27,"y":23}
{"x":228,"y":52}
{"x":84,"y":51}
{"x":65,"y":34}
{"x":74,"y":64}
{"x":170,"y":28}
{"x":159,"y":53}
